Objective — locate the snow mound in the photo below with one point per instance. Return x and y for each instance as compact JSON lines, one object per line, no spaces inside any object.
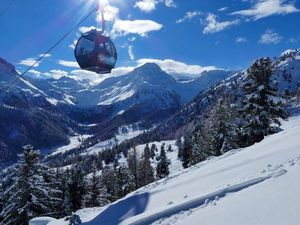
{"x":41,"y":221}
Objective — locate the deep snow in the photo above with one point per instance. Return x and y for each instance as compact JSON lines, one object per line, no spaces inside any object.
{"x":258,"y":185}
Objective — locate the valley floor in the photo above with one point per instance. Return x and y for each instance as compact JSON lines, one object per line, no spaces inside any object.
{"x":258,"y":185}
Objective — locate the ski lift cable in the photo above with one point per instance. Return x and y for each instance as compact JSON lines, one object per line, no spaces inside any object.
{"x":7,"y":8}
{"x":50,"y":49}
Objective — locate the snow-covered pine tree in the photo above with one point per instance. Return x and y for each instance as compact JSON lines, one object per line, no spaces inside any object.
{"x":76,"y":188}
{"x":145,"y":171}
{"x":162,"y":169}
{"x":179,"y":145}
{"x":29,"y":195}
{"x":197,"y":146}
{"x":222,"y":129}
{"x":125,"y":181}
{"x":109,"y":183}
{"x":153,"y":149}
{"x":95,"y":193}
{"x":133,"y":164}
{"x":62,"y":177}
{"x":262,"y":106}
{"x":187,"y":152}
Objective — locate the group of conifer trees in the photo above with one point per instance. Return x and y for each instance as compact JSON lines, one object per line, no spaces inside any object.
{"x":239,"y":123}
{"x":31,"y":189}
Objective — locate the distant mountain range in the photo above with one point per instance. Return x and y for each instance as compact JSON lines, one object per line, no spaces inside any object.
{"x":46,"y":112}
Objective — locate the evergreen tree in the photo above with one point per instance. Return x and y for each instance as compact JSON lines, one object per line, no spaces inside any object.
{"x":133,"y":165}
{"x":179,"y":145}
{"x":162,"y":169}
{"x":153,"y":149}
{"x":29,"y":195}
{"x":145,"y":170}
{"x":222,"y":129}
{"x":63,"y":182}
{"x":262,"y":107}
{"x":109,"y":183}
{"x":197,"y":146}
{"x":76,"y":188}
{"x":125,"y":181}
{"x":187,"y":152}
{"x":95,"y":194}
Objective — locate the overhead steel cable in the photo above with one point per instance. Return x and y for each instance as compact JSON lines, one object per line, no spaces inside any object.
{"x":7,"y":8}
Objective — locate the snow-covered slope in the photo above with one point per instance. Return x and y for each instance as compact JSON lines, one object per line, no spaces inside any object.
{"x":252,"y":186}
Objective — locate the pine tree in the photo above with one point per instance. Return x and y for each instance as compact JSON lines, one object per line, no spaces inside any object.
{"x":145,"y":170}
{"x":222,"y":129}
{"x":125,"y":181}
{"x":76,"y":188}
{"x":95,"y":193}
{"x":179,"y":145}
{"x":153,"y":149}
{"x":197,"y":146}
{"x":262,"y":107}
{"x":109,"y":183}
{"x":162,"y":169}
{"x":187,"y":152}
{"x":29,"y":195}
{"x":133,"y":165}
{"x":63,"y":182}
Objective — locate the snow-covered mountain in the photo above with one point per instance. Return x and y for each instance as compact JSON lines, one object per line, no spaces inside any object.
{"x":286,"y":73}
{"x":145,"y":96}
{"x":251,"y":186}
{"x":27,"y":115}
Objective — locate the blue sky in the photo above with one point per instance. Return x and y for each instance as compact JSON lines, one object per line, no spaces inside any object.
{"x":179,"y":35}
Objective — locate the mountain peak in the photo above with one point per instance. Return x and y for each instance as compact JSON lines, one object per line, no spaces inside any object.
{"x":6,"y":66}
{"x":150,"y":66}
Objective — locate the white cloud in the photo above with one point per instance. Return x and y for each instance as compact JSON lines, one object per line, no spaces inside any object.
{"x":175,"y":67}
{"x":121,"y":71}
{"x":188,"y":16}
{"x":95,"y":78}
{"x":66,"y":63}
{"x":270,"y":37}
{"x":222,"y":9}
{"x":293,"y":40}
{"x":265,"y":8}
{"x":46,"y":55}
{"x":29,"y":62}
{"x":140,"y":27}
{"x":130,"y":52}
{"x":170,"y":3}
{"x":35,"y":73}
{"x":56,"y":74}
{"x":213,"y":26}
{"x":87,"y":29}
{"x":241,"y":40}
{"x":150,"y":5}
{"x":73,"y":45}
{"x":146,"y":5}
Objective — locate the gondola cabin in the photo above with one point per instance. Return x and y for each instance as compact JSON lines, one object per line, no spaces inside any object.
{"x":95,"y":52}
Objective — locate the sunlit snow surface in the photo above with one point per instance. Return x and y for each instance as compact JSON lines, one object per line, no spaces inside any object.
{"x":258,"y":185}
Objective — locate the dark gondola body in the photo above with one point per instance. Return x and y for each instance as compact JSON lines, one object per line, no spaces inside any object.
{"x":95,"y":52}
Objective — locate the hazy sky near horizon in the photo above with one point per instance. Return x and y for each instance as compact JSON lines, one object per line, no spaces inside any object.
{"x":179,"y":35}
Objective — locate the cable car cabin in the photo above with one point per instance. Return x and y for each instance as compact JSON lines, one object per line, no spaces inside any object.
{"x":95,"y":52}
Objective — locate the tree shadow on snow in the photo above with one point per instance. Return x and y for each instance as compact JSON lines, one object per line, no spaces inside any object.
{"x":121,"y":210}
